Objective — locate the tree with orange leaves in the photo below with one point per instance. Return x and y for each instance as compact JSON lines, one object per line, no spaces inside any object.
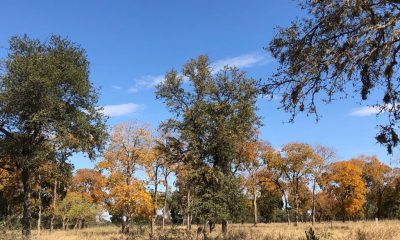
{"x":129,"y":150}
{"x":376,"y":175}
{"x":91,"y":183}
{"x":344,"y":184}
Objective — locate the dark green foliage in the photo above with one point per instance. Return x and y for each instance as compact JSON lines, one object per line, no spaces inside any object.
{"x":176,"y":203}
{"x":48,"y":107}
{"x":219,"y":198}
{"x":269,"y":202}
{"x":215,"y":114}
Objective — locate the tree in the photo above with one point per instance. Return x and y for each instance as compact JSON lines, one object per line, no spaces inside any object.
{"x":215,"y":114}
{"x":295,"y":164}
{"x":344,"y":184}
{"x":91,"y":183}
{"x":253,"y":164}
{"x":325,"y":206}
{"x":47,"y":107}
{"x":50,"y":183}
{"x":342,"y":47}
{"x":391,"y":198}
{"x":154,"y":171}
{"x":376,"y":176}
{"x":133,"y":200}
{"x":168,"y":165}
{"x":129,"y":150}
{"x":77,"y":208}
{"x":176,"y":205}
{"x":326,"y":155}
{"x":10,"y":192}
{"x":270,"y":201}
{"x":275,"y":175}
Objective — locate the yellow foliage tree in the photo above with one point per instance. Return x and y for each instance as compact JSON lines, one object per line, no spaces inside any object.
{"x":377,"y":177}
{"x":129,"y":151}
{"x":344,"y":184}
{"x":133,"y":199}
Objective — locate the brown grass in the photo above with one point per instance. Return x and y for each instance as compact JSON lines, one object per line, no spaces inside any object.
{"x":384,"y":230}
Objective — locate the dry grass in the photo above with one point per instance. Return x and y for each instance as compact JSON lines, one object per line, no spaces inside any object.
{"x":384,"y":230}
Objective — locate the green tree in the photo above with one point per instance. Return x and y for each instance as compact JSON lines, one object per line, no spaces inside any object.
{"x":341,"y":48}
{"x":48,"y":106}
{"x":215,"y":114}
{"x":76,"y":208}
{"x":269,"y":202}
{"x":391,"y":197}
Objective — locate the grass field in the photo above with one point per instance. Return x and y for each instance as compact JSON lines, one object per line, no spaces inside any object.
{"x":384,"y":230}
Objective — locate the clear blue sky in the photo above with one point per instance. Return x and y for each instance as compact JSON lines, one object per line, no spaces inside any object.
{"x":131,"y":44}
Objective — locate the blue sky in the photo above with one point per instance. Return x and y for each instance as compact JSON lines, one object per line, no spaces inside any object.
{"x":131,"y":44}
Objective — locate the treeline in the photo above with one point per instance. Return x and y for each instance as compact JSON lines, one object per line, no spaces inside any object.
{"x":136,"y":182}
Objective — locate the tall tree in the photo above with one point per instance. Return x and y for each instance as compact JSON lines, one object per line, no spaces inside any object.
{"x":48,"y":106}
{"x":215,"y":114}
{"x":253,"y":166}
{"x":168,"y":166}
{"x":154,"y":172}
{"x":274,"y":174}
{"x":129,"y":150}
{"x":341,"y":48}
{"x":295,"y":164}
{"x":377,"y":177}
{"x":326,"y":155}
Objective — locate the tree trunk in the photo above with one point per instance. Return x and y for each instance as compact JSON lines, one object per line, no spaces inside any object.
{"x":63,"y":224}
{"x":286,"y":208}
{"x":296,"y":200}
{"x":54,"y":206}
{"x":152,"y":224}
{"x":165,"y":204}
{"x":153,"y":218}
{"x":127,"y":225}
{"x":26,"y":216}
{"x":379,"y":205}
{"x":224,"y":226}
{"x":296,"y":213}
{"x":189,"y":227}
{"x":212,"y":225}
{"x":313,"y":204}
{"x":205,"y":231}
{"x":255,"y":207}
{"x":80,"y":224}
{"x":39,"y":222}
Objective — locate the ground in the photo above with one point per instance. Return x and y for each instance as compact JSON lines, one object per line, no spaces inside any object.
{"x":369,"y":230}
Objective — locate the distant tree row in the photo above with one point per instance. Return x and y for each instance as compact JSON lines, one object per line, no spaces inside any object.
{"x":133,"y":183}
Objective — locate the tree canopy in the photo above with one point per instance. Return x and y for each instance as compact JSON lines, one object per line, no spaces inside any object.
{"x":214,"y":114}
{"x":48,"y":107}
{"x":342,"y":48}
